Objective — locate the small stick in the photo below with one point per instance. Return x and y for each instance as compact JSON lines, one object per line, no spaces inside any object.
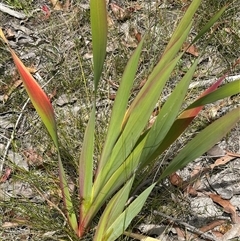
{"x":12,"y":136}
{"x":210,"y":81}
{"x":6,"y":9}
{"x":187,"y":226}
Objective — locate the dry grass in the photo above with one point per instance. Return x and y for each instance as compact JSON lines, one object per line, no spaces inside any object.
{"x":61,"y":58}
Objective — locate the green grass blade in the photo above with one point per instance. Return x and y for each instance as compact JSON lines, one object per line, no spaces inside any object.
{"x":208,"y":137}
{"x":227,"y":90}
{"x":98,"y":14}
{"x":122,"y":222}
{"x":113,"y":210}
{"x":210,"y":23}
{"x":120,"y":105}
{"x":71,"y":216}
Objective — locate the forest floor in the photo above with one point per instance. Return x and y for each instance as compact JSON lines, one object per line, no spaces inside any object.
{"x":55,"y":43}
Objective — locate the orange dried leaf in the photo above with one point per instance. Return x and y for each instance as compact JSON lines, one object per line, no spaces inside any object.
{"x":222,"y":161}
{"x":227,"y":206}
{"x":192,"y":49}
{"x":176,"y":180}
{"x":212,"y":225}
{"x":138,"y":36}
{"x":185,"y":186}
{"x":6,"y":175}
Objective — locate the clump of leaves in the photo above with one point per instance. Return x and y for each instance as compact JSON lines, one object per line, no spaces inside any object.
{"x":130,"y":146}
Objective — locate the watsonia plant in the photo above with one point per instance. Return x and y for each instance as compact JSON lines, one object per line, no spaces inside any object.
{"x":130,"y":146}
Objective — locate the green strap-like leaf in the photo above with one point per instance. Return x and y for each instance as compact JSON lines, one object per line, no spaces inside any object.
{"x":184,"y":23}
{"x":210,"y":23}
{"x":123,"y":173}
{"x":203,"y":141}
{"x":138,"y":114}
{"x":182,"y":122}
{"x":135,"y":125}
{"x":98,"y":16}
{"x":123,"y":221}
{"x":120,"y":106}
{"x":154,"y":136}
{"x":86,"y":168}
{"x":113,"y":210}
{"x":166,"y":117}
{"x":227,"y":90}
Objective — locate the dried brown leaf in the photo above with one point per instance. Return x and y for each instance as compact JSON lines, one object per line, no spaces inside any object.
{"x":176,"y":180}
{"x":180,"y":233}
{"x":212,"y":225}
{"x":191,"y":49}
{"x":6,"y":175}
{"x":119,"y":13}
{"x":185,"y":186}
{"x":222,"y":161}
{"x":33,"y":158}
{"x":227,"y":206}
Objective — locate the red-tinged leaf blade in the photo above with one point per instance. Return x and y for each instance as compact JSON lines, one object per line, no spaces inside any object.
{"x":182,"y":122}
{"x":208,"y":137}
{"x":98,"y":14}
{"x":194,"y":112}
{"x":68,"y":204}
{"x":39,"y":99}
{"x":44,"y":108}
{"x":166,"y":118}
{"x":227,"y":90}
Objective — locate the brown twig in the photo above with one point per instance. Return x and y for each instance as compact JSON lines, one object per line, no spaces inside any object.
{"x":187,"y":226}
